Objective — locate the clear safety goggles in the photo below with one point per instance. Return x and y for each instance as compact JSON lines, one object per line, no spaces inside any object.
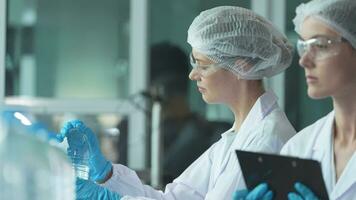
{"x":203,"y":70}
{"x":320,"y":48}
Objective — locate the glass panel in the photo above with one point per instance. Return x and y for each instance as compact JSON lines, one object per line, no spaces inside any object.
{"x":67,"y":49}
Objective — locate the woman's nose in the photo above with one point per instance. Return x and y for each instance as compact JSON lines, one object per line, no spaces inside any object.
{"x":306,"y":61}
{"x":194,"y":75}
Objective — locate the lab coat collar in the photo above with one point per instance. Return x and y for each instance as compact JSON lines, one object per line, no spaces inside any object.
{"x":322,"y":148}
{"x":266,"y":103}
{"x":347,"y":179}
{"x":262,"y":107}
{"x":324,"y":138}
{"x":223,"y":135}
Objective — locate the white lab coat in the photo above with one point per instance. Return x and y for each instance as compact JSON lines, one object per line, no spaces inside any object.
{"x":316,"y":142}
{"x":216,"y":173}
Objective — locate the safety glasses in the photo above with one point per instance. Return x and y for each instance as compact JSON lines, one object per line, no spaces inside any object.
{"x":203,"y":70}
{"x":320,"y":48}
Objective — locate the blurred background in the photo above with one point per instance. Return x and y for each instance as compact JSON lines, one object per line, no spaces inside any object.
{"x":107,"y":62}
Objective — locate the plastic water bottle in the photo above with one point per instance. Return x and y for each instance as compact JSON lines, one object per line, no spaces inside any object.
{"x":78,"y":151}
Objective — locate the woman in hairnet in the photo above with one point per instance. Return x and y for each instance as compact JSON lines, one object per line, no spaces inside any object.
{"x":327,"y":49}
{"x":233,"y":49}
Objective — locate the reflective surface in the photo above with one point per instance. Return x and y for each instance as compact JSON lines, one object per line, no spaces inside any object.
{"x":30,"y":167}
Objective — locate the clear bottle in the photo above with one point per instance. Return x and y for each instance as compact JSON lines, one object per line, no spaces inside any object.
{"x":78,"y":151}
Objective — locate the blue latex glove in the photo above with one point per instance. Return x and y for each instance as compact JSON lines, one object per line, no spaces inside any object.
{"x":99,"y":167}
{"x":260,"y":192}
{"x":88,"y":190}
{"x":304,"y":193}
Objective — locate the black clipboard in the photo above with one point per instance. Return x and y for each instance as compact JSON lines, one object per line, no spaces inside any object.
{"x":281,"y":172}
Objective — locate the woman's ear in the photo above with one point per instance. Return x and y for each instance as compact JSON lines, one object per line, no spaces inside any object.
{"x":243,"y":64}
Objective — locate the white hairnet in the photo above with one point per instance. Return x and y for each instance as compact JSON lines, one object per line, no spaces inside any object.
{"x":338,"y":14}
{"x":240,"y":41}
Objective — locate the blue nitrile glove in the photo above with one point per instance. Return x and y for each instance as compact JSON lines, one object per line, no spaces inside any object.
{"x":99,"y":167}
{"x":260,"y":192}
{"x":304,"y":193}
{"x":88,"y":190}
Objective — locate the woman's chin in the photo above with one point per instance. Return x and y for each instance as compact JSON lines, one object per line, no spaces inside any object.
{"x":206,"y":99}
{"x":314,"y":94}
{"x":209,"y":100}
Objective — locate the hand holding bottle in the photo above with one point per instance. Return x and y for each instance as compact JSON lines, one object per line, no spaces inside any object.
{"x":80,"y":137}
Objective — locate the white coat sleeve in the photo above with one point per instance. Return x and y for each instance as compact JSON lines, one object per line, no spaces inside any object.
{"x":192,"y":184}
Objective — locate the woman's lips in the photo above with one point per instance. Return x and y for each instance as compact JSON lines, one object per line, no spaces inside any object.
{"x":311,"y":79}
{"x":201,"y":89}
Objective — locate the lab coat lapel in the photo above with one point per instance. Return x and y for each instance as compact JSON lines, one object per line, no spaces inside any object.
{"x":218,"y":167}
{"x":347,"y":179}
{"x":322,"y":150}
{"x":264,"y":105}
